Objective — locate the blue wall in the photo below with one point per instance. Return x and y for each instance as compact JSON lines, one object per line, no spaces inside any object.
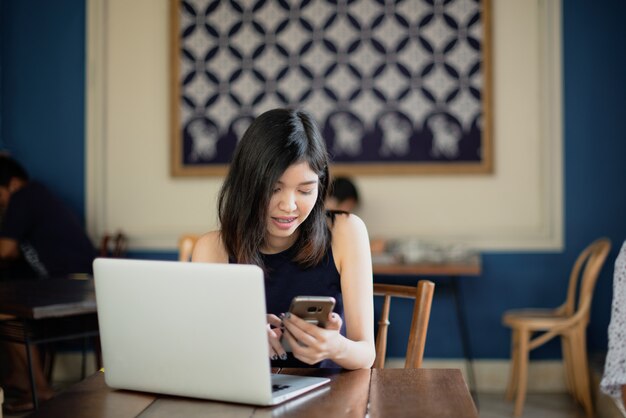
{"x":595,"y":148}
{"x":42,"y":91}
{"x":42,"y":124}
{"x":594,"y":58}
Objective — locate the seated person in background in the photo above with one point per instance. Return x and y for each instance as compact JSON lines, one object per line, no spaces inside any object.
{"x":271,"y":212}
{"x":614,"y":379}
{"x":342,"y":195}
{"x":39,"y":238}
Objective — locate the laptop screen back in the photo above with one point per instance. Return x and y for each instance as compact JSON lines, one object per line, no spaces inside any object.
{"x":190,"y":329}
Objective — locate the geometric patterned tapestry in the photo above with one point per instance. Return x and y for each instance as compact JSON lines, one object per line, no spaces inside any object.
{"x":390,"y":82}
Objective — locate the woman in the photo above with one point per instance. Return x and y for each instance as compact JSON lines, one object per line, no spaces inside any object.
{"x":271,"y":212}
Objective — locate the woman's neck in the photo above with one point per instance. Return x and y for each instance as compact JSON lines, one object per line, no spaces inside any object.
{"x":275,"y":245}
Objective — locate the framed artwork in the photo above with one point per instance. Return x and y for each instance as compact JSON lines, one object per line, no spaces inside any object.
{"x":397,"y":87}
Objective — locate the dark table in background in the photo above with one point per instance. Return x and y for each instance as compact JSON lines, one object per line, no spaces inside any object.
{"x":47,"y":310}
{"x":377,"y":393}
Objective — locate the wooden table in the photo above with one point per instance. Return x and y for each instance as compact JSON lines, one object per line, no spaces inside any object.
{"x":471,"y":267}
{"x":388,"y":393}
{"x":49,"y":310}
{"x":47,"y":298}
{"x":450,"y":272}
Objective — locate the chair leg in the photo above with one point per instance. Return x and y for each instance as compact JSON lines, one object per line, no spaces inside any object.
{"x":33,"y":386}
{"x":83,"y":363}
{"x":568,"y":365}
{"x":98,"y":352}
{"x":513,"y":372}
{"x":522,"y":371}
{"x":581,"y":364}
{"x":48,"y":354}
{"x":575,"y":366}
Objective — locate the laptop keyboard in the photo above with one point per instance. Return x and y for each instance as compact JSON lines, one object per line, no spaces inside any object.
{"x":276,"y":388}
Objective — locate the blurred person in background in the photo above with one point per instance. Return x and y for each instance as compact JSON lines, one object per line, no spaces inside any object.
{"x":343,"y":195}
{"x":39,"y":238}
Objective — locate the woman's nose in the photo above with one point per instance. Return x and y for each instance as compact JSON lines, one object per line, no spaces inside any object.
{"x":288,"y":202}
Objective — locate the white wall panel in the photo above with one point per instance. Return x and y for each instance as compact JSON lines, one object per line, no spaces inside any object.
{"x":518,"y":207}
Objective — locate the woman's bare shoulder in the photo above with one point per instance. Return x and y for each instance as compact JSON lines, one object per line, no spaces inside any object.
{"x":349,"y":235}
{"x":351,"y":249}
{"x":210,"y":249}
{"x":347,"y":224}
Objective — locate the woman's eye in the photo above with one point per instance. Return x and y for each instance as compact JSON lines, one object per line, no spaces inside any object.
{"x":276,"y":190}
{"x":306,"y":192}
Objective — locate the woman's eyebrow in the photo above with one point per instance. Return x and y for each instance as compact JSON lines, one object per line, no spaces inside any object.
{"x":304,"y":183}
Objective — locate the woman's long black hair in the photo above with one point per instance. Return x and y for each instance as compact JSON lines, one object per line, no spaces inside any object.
{"x":274,"y":141}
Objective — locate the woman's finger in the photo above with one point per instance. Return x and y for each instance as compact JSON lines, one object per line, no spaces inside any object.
{"x":334,"y":322}
{"x":298,"y":348}
{"x":309,"y":342}
{"x":273,"y":320}
{"x":300,"y":323}
{"x":302,"y":331}
{"x":273,"y":338}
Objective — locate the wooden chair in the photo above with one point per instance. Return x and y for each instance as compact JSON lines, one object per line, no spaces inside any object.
{"x":186,"y":243}
{"x":533,"y":327}
{"x":423,"y":295}
{"x":113,"y":245}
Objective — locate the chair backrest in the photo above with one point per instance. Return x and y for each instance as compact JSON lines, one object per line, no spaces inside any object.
{"x":113,"y":245}
{"x":186,"y":242}
{"x":584,"y":276}
{"x":423,"y":295}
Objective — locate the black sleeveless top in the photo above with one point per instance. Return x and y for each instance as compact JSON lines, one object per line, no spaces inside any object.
{"x":286,"y":279}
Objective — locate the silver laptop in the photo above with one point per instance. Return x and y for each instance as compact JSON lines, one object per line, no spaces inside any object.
{"x":189,"y":329}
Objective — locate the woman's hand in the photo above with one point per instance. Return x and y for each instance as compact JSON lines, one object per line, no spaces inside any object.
{"x":310,"y":343}
{"x":273,"y":337}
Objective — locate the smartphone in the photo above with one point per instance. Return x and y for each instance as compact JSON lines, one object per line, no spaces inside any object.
{"x":313,"y":309}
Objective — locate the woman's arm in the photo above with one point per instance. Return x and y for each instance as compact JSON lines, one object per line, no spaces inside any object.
{"x":351,"y":250}
{"x":9,"y":249}
{"x":311,"y":344}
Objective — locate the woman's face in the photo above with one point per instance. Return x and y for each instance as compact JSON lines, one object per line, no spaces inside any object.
{"x":293,"y":199}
